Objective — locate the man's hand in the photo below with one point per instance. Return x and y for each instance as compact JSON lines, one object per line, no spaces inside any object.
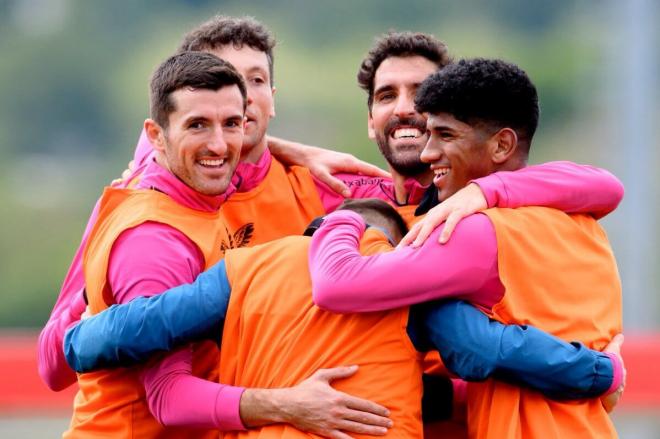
{"x":463,"y":203}
{"x":125,"y":175}
{"x":128,"y":171}
{"x":86,"y":314}
{"x":314,"y":406}
{"x":323,"y":163}
{"x":610,"y":401}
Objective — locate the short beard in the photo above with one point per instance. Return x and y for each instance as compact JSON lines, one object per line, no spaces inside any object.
{"x":408,"y":167}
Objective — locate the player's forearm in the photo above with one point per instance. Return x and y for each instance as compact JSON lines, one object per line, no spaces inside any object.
{"x":177,"y":398}
{"x":475,"y":348}
{"x":286,"y":151}
{"x":345,"y":281}
{"x":52,"y":365}
{"x":261,"y":407}
{"x":564,"y":185}
{"x":130,"y":333}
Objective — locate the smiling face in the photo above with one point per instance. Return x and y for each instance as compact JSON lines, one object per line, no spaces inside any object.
{"x":202,"y":143}
{"x":397,"y":127}
{"x":457,"y":153}
{"x":253,"y":66}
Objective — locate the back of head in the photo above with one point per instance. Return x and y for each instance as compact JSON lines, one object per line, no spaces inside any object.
{"x":400,"y":44}
{"x":380,"y":214}
{"x":487,"y":92}
{"x":236,"y":31}
{"x":198,"y":70}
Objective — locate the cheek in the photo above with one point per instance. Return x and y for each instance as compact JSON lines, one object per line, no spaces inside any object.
{"x":264,"y":100}
{"x":379,"y":115}
{"x":234,"y":143}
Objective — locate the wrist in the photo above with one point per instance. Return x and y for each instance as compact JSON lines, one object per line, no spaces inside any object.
{"x":493,"y":189}
{"x":262,"y":406}
{"x":617,"y":372}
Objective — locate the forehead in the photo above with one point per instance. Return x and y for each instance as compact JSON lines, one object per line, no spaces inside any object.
{"x":224,"y":102}
{"x":445,"y":120}
{"x":403,"y":71}
{"x":244,"y":59}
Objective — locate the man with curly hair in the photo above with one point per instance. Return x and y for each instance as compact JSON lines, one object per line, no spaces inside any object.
{"x":531,"y":265}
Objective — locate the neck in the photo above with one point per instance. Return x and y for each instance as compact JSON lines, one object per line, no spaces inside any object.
{"x":162,"y":161}
{"x":513,"y":164}
{"x":399,"y":181}
{"x":255,"y":152}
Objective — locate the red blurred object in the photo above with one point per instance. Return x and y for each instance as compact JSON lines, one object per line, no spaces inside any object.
{"x":21,"y":389}
{"x":641,"y":355}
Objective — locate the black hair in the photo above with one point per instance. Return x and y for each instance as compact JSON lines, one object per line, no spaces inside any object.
{"x":377,"y":213}
{"x":222,"y":30}
{"x":399,"y":44}
{"x":487,"y":92}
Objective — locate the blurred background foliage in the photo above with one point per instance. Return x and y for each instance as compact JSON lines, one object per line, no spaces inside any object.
{"x":73,"y":95}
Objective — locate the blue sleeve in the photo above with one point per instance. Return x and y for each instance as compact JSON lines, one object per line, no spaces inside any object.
{"x":475,"y":347}
{"x":130,"y":333}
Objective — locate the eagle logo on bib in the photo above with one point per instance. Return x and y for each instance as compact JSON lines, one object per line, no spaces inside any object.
{"x":239,"y":239}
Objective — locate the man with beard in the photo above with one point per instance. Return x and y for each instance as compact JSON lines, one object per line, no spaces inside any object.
{"x":272,"y":336}
{"x":391,"y":73}
{"x":248,"y":45}
{"x":262,"y":180}
{"x":531,"y":265}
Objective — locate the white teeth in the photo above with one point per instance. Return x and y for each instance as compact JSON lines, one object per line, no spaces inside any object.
{"x":441,"y":171}
{"x":407,"y":133}
{"x":217,"y":162}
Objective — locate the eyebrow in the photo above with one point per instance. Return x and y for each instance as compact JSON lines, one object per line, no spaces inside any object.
{"x":258,"y":69}
{"x":440,"y":128}
{"x":236,"y":116}
{"x":388,"y":87}
{"x":194,"y":117}
{"x":383,"y":88}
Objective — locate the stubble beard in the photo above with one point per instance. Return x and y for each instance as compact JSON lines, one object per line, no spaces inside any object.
{"x":406,"y":163}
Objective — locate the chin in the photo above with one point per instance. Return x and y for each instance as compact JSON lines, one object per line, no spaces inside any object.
{"x":212,"y":190}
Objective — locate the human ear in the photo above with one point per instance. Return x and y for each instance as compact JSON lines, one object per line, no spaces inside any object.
{"x":155,"y":134}
{"x":505,"y":145}
{"x":272,"y":106}
{"x":370,"y":126}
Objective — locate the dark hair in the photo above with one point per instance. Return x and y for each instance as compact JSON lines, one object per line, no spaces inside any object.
{"x":237,"y":31}
{"x":399,"y":44}
{"x":488,"y":92}
{"x":377,"y":213}
{"x":189,"y":69}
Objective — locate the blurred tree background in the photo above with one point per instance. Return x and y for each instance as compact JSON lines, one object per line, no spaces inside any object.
{"x":74,"y":93}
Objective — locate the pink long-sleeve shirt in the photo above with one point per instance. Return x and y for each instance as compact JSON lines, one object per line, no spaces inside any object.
{"x":168,"y":400}
{"x":147,"y":260}
{"x":70,"y":304}
{"x":345,"y":281}
{"x":577,"y":183}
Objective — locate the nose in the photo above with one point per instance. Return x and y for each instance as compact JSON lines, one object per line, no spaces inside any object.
{"x":249,"y":96}
{"x":405,"y":105}
{"x":217,"y":144}
{"x":431,"y":152}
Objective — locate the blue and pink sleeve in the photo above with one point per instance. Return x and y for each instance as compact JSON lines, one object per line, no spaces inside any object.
{"x":70,"y":304}
{"x":146,"y":261}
